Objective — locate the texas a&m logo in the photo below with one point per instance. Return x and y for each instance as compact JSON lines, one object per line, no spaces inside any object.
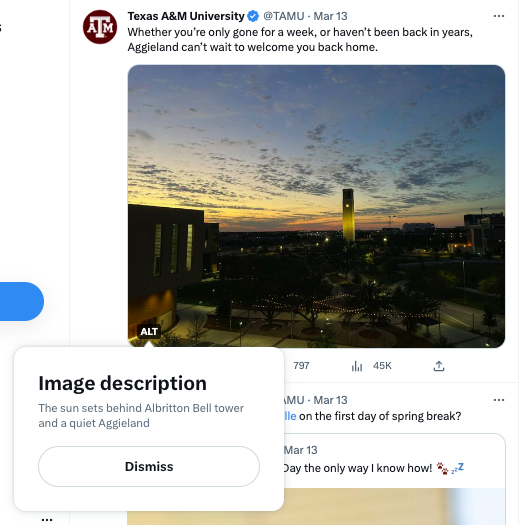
{"x":100,"y":27}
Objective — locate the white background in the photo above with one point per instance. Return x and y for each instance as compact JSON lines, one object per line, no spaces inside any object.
{"x":83,"y":277}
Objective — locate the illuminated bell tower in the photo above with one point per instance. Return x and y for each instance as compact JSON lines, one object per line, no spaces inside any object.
{"x":349,"y":231}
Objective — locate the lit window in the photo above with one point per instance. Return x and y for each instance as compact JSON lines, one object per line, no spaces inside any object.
{"x":175,"y":249}
{"x":189,"y":247}
{"x":157,"y":259}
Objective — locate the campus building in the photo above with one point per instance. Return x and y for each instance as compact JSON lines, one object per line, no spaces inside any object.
{"x":165,"y":251}
{"x":418,"y":227}
{"x":488,"y":235}
{"x":473,"y":219}
{"x":349,"y":227}
{"x":484,"y":234}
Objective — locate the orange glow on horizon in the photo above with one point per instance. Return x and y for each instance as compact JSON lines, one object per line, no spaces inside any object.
{"x":278,"y":218}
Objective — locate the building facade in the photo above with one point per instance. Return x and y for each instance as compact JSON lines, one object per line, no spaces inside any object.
{"x":349,"y":226}
{"x":165,"y":251}
{"x":488,"y":234}
{"x":211,"y":246}
{"x":472,"y":219}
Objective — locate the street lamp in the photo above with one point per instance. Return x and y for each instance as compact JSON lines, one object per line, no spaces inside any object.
{"x":213,"y":295}
{"x":240,"y":324}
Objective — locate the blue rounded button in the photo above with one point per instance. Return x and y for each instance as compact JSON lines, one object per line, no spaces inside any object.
{"x":20,"y":301}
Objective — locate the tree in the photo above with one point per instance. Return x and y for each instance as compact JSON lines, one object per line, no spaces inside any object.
{"x":343,"y":255}
{"x":196,"y":327}
{"x":312,"y":290}
{"x":447,"y":282}
{"x":223,"y":310}
{"x":443,"y":342}
{"x":448,"y":279}
{"x":374,"y":301}
{"x":138,"y":343}
{"x":389,"y":266}
{"x":491,"y":285}
{"x":489,"y":318}
{"x":412,"y":305}
{"x":443,"y":284}
{"x":326,"y":340}
{"x":350,"y":311}
{"x":356,"y":277}
{"x":230,"y":267}
{"x":268,"y":306}
{"x":169,"y":339}
{"x":267,"y":289}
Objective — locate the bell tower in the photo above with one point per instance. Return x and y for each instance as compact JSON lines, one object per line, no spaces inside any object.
{"x":349,"y":231}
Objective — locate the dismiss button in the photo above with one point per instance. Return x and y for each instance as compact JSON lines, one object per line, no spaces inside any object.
{"x":206,"y":466}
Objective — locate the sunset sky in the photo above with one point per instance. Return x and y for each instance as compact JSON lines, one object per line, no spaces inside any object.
{"x":271,"y":147}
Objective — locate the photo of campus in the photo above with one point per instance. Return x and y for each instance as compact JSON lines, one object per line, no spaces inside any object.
{"x":321,"y":207}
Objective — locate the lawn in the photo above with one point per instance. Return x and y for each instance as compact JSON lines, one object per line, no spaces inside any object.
{"x":475,"y":271}
{"x":475,"y":300}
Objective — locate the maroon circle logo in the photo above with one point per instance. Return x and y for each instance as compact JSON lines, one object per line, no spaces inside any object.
{"x":100,"y":27}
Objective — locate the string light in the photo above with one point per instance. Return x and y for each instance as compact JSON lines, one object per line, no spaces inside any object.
{"x":328,"y":308}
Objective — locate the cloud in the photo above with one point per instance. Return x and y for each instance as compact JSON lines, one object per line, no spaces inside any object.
{"x":148,"y":169}
{"x":137,"y":89}
{"x":473,"y":119}
{"x":431,"y":161}
{"x":316,"y":134}
{"x":140,"y":133}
